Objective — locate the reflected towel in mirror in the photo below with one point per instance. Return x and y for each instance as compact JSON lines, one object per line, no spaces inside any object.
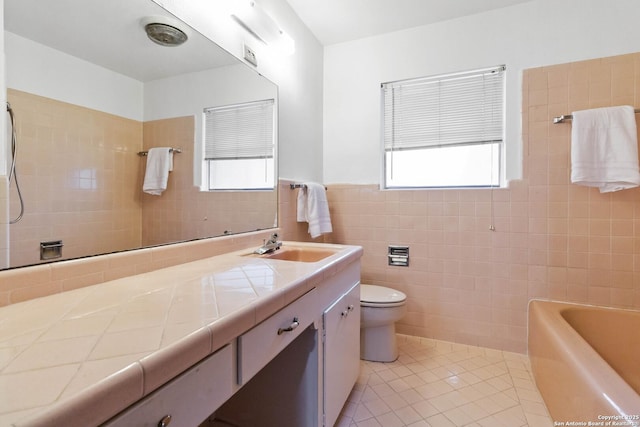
{"x":159,"y":164}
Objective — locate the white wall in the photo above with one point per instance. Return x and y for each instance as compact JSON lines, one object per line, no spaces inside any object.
{"x":298,"y":76}
{"x":189,"y":94}
{"x":38,"y":69}
{"x":537,"y":33}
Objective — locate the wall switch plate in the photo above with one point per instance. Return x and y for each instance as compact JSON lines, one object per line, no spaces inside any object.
{"x":250,"y":56}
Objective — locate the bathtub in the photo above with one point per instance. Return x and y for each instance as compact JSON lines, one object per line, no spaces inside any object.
{"x":586,"y":362}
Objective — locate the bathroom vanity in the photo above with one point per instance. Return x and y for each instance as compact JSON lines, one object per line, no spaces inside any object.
{"x":237,"y":338}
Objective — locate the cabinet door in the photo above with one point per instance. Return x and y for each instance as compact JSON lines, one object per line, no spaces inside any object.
{"x":341,"y":361}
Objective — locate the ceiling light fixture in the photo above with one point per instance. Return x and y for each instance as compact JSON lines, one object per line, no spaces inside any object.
{"x":260,"y":25}
{"x":163,"y":31}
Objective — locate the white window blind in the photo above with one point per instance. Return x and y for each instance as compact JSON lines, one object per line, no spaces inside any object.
{"x":241,"y":131}
{"x":447,"y":110}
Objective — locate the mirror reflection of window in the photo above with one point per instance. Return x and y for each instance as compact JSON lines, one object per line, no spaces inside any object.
{"x":239,"y":143}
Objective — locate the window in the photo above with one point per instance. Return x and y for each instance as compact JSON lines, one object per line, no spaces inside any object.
{"x":239,"y":146}
{"x":444,"y":131}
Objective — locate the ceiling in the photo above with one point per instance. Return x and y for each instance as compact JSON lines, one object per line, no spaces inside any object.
{"x":337,"y":21}
{"x":110,"y":34}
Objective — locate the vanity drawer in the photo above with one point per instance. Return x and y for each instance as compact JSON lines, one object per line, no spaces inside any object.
{"x":261,"y":344}
{"x":189,"y":398}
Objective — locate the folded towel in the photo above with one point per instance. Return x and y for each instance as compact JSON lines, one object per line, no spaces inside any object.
{"x":314,"y":209}
{"x":604,"y":148}
{"x":159,"y":164}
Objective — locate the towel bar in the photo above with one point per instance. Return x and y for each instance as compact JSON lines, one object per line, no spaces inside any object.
{"x":171,"y":150}
{"x":294,"y":186}
{"x":560,"y":119}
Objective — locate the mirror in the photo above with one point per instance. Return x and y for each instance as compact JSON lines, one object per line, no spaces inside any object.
{"x":89,"y":91}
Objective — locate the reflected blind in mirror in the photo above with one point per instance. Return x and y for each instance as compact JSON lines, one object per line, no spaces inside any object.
{"x":240,"y":131}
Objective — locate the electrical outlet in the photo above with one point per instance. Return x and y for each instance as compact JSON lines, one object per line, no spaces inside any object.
{"x":250,"y":56}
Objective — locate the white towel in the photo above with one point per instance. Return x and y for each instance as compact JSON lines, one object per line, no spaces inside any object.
{"x":604,"y":148}
{"x":159,"y":164}
{"x":314,"y":209}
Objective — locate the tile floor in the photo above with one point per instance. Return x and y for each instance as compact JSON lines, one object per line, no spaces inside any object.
{"x":437,"y":384}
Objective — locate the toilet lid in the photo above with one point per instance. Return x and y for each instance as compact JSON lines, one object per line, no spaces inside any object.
{"x":380,"y":296}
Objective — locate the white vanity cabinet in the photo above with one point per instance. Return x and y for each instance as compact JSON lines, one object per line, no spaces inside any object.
{"x":268,"y":341}
{"x":341,"y":355}
{"x":295,"y":368}
{"x":277,"y":371}
{"x":302,"y":377}
{"x":188,"y":399}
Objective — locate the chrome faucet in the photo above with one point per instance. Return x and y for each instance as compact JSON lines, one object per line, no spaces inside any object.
{"x":269,"y":245}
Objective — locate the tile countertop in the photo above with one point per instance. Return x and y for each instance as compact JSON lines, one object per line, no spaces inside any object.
{"x":80,"y":357}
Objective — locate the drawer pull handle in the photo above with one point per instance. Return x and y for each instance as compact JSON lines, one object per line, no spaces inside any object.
{"x":293,"y":325}
{"x":165,"y":421}
{"x":346,"y":312}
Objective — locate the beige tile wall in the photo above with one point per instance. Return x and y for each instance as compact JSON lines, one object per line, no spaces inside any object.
{"x":183,"y":211}
{"x":81,"y":190}
{"x":552,"y":239}
{"x":86,"y":187}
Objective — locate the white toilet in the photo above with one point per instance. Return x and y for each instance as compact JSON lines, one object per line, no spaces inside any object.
{"x":380,"y":308}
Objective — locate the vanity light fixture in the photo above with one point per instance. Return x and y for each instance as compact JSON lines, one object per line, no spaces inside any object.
{"x":260,"y":25}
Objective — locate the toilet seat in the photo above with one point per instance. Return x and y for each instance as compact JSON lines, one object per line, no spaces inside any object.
{"x":380,"y":296}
